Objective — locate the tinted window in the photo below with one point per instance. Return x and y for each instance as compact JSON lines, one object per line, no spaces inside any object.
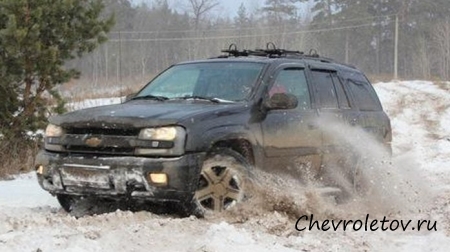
{"x":293,"y":81}
{"x":325,"y":91}
{"x":342,"y":96}
{"x":364,"y":95}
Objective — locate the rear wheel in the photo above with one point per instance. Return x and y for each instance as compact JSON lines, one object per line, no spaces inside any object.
{"x":222,"y":183}
{"x":343,"y":171}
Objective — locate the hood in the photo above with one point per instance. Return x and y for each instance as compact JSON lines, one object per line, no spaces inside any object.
{"x":139,"y":114}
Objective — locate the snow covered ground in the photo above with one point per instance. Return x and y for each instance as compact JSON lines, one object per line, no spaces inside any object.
{"x":31,"y":220}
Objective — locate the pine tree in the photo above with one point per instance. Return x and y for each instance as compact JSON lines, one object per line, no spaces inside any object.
{"x":241,"y":20}
{"x":37,"y":37}
{"x":280,"y":10}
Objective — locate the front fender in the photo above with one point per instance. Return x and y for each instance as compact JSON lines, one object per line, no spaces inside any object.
{"x":203,"y":141}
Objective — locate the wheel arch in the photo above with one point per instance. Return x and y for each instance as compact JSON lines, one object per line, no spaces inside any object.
{"x":240,"y":145}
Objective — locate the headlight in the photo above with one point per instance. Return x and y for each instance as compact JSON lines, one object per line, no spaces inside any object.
{"x":53,"y":131}
{"x":53,"y":134}
{"x":161,"y":134}
{"x":164,"y":141}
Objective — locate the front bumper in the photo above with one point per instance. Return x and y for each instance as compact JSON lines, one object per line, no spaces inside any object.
{"x":119,"y":177}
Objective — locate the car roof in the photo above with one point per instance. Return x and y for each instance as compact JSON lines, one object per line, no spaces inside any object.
{"x":275,"y":56}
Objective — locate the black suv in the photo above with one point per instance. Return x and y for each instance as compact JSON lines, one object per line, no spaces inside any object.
{"x":194,"y":132}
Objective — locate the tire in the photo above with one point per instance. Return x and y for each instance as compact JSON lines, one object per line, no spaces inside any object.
{"x":344,"y":172}
{"x":361,"y":178}
{"x":67,"y":202}
{"x":222,"y":182}
{"x":79,"y":206}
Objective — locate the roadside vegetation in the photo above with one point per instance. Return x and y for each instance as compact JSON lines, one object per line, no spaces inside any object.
{"x":37,"y":38}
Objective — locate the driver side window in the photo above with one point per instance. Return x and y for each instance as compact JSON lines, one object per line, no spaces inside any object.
{"x":293,"y":81}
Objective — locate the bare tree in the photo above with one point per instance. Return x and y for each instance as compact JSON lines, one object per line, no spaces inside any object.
{"x":421,"y":62}
{"x":441,"y":39}
{"x":200,"y":7}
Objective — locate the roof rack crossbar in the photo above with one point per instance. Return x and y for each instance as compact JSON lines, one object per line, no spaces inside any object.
{"x":271,"y":51}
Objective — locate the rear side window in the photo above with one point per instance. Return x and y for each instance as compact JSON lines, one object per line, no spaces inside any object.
{"x":324,"y":89}
{"x":364,"y":95}
{"x":342,"y":96}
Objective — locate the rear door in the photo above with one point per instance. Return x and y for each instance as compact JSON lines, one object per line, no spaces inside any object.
{"x":333,"y":103}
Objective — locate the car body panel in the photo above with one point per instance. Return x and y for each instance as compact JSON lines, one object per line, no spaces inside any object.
{"x":279,"y":139}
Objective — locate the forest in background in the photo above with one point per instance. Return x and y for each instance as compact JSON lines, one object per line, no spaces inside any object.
{"x":150,"y":36}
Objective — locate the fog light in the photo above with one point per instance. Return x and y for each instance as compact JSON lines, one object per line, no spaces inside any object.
{"x":158,"y":178}
{"x":40,"y":169}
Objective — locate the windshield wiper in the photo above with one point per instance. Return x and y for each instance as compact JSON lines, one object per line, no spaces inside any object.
{"x":197,"y":97}
{"x":150,"y":97}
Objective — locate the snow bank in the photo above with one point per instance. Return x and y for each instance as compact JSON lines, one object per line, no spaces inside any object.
{"x":94,"y":103}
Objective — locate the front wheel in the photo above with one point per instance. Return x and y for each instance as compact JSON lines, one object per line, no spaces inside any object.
{"x":79,"y":206}
{"x":67,"y":202}
{"x":222,"y":184}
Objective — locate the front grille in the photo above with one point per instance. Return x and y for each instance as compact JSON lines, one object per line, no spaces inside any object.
{"x":103,"y":131}
{"x":111,"y":141}
{"x":100,"y":150}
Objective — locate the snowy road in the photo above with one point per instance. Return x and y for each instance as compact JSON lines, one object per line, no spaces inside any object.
{"x":31,"y":220}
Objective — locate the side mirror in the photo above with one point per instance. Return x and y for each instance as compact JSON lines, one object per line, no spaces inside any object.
{"x":130,"y":96}
{"x":281,"y":101}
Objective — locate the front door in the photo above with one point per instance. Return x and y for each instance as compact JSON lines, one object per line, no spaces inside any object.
{"x":291,"y":137}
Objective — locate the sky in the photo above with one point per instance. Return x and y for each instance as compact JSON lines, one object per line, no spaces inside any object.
{"x":226,"y":7}
{"x":232,"y":6}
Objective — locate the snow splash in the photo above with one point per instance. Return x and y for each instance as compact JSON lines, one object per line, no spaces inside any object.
{"x":385,"y":185}
{"x":377,"y":184}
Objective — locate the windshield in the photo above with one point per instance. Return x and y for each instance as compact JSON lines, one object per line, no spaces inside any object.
{"x":232,"y":81}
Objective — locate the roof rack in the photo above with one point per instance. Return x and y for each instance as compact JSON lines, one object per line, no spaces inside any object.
{"x":271,"y":51}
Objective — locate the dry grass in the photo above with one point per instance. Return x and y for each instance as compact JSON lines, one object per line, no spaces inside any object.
{"x":443,"y":85}
{"x":16,"y":156}
{"x":82,"y":89}
{"x":380,"y":78}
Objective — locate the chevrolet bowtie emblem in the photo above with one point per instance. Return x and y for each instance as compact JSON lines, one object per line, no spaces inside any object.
{"x":93,"y":141}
